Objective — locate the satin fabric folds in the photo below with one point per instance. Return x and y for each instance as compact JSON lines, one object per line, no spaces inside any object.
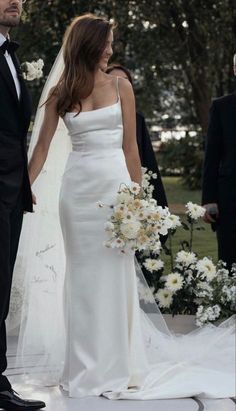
{"x":112,"y":346}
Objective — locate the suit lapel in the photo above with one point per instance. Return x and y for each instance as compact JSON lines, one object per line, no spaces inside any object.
{"x":6,"y":74}
{"x":25,"y":102}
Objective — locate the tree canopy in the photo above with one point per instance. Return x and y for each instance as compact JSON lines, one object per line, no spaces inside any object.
{"x":180,"y":51}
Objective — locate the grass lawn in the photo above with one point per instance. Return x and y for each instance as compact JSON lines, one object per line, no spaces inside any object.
{"x":176,"y":193}
{"x":204,"y":242}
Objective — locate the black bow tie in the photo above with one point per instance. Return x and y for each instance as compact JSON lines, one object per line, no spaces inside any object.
{"x":10,"y":46}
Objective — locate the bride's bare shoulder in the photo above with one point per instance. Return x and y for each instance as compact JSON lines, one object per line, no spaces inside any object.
{"x":125,"y":87}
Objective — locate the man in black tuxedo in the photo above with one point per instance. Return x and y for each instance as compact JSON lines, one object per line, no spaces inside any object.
{"x":219,"y":175}
{"x":15,"y":191}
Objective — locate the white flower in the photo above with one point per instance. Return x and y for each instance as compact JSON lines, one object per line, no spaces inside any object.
{"x":135,"y":188}
{"x":229,"y":293}
{"x":33,"y":70}
{"x":120,"y":207}
{"x":203,"y":289}
{"x":207,"y":314}
{"x":129,"y":217}
{"x":130,"y":230}
{"x":156,"y":248}
{"x":153,"y":265}
{"x":206,"y":268}
{"x":117,"y":243}
{"x":109,"y":226}
{"x":185,"y":258}
{"x":222,"y":274}
{"x":123,"y":197}
{"x":40,"y":64}
{"x":164,"y":298}
{"x":174,"y":282}
{"x":175,"y":221}
{"x":194,"y":210}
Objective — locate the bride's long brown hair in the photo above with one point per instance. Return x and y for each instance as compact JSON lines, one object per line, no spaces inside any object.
{"x":84,"y":42}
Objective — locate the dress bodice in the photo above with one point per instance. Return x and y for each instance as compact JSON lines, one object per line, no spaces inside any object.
{"x":96,"y":129}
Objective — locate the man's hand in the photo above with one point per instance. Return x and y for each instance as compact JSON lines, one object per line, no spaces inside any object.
{"x":211,"y":214}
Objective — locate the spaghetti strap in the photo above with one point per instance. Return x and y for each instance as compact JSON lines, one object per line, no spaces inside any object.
{"x":117,"y":88}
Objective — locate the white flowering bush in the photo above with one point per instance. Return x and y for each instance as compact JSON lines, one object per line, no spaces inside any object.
{"x":194,"y":286}
{"x":216,"y":298}
{"x":32,"y":70}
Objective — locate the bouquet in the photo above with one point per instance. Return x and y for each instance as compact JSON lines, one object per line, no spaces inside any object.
{"x":137,"y":222}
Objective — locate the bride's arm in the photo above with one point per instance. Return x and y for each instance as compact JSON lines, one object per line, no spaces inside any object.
{"x":130,"y":146}
{"x":46,"y":134}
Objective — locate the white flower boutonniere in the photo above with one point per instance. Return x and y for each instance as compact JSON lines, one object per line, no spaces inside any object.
{"x":32,"y":70}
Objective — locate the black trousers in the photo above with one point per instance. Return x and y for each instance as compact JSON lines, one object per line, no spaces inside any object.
{"x":226,"y":236}
{"x":10,"y":227}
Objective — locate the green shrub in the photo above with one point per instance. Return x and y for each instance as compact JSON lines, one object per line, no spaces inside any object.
{"x":183,"y":158}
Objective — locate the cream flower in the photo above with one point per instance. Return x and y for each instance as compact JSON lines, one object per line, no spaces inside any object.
{"x":153,"y":265}
{"x":174,"y":282}
{"x":164,"y":298}
{"x":123,"y":197}
{"x":130,"y":230}
{"x":155,"y":248}
{"x":194,"y":210}
{"x":174,"y":220}
{"x":33,"y":70}
{"x":129,"y":217}
{"x":142,"y":241}
{"x":140,"y":215}
{"x":137,"y":203}
{"x":120,"y":207}
{"x":135,"y":188}
{"x":185,"y":258}
{"x":206,"y":268}
{"x":117,"y":243}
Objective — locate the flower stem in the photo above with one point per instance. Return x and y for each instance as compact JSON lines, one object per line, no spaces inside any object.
{"x":191,"y":237}
{"x":171,"y":251}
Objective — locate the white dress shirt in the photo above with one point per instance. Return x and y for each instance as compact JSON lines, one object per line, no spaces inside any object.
{"x":11,"y":66}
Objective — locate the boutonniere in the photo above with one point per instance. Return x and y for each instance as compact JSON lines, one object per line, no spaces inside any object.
{"x":32,"y":70}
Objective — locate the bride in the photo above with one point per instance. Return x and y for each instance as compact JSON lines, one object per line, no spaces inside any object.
{"x":101,"y":342}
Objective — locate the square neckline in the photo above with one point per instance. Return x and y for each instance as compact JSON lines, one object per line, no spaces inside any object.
{"x":101,"y":108}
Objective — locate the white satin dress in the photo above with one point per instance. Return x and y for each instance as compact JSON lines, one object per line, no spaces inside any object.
{"x":113,"y":349}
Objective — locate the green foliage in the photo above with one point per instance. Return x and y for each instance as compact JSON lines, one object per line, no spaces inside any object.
{"x":183,"y":157}
{"x":176,"y":49}
{"x":178,"y":194}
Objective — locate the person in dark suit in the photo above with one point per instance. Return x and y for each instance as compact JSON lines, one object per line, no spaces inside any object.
{"x":148,"y":160}
{"x":15,"y":191}
{"x":219,"y":175}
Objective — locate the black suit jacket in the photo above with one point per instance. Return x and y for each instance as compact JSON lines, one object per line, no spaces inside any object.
{"x":148,"y":159}
{"x":14,"y":122}
{"x":219,"y":173}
